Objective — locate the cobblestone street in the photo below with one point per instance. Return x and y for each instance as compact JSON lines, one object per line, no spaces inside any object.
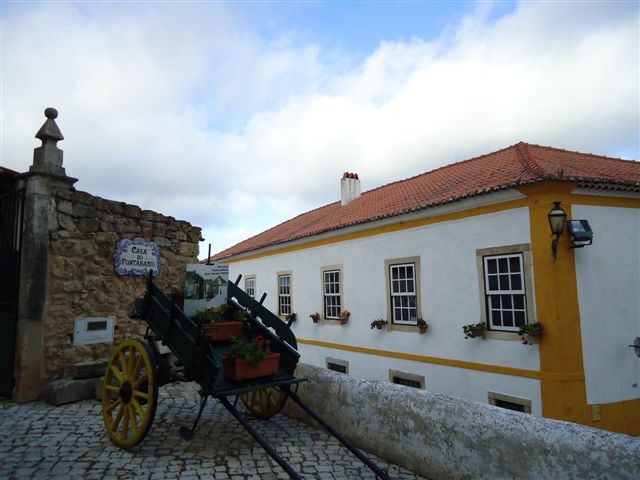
{"x":41,"y":441}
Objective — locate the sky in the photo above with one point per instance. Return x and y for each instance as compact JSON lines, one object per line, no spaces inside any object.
{"x":236,"y":116}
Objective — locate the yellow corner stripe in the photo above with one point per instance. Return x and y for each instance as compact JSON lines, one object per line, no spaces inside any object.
{"x":516,"y":372}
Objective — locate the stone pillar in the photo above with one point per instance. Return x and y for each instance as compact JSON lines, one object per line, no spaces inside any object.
{"x":45,"y":175}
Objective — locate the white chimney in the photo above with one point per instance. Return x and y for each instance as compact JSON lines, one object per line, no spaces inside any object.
{"x":349,"y":188}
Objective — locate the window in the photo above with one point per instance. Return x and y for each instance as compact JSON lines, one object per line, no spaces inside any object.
{"x":250,"y":286}
{"x":504,"y":286}
{"x":403,"y":292}
{"x":332,"y":298}
{"x":337,"y":365}
{"x":509,"y":402}
{"x":407,"y":379}
{"x":284,"y":294}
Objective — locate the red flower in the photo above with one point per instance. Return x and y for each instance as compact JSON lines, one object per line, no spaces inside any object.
{"x":259,"y":338}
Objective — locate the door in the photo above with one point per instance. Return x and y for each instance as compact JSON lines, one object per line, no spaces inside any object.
{"x":11,"y":207}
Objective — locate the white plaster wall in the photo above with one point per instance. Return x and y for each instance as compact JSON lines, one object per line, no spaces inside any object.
{"x":471,"y":385}
{"x":449,"y":295}
{"x":608,"y":276}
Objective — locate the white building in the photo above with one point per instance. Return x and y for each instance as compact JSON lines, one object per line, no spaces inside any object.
{"x":465,"y":244}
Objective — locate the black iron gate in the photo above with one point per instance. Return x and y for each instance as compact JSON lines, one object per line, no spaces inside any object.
{"x":11,"y":207}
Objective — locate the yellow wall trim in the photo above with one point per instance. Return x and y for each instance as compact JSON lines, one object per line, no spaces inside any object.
{"x":516,"y":372}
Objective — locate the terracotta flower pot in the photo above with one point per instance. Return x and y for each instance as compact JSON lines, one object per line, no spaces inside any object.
{"x":237,"y":369}
{"x":423,"y":328}
{"x":222,"y":331}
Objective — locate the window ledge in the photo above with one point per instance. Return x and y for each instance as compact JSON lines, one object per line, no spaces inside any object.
{"x":496,"y":335}
{"x":328,"y":321}
{"x":403,"y":328}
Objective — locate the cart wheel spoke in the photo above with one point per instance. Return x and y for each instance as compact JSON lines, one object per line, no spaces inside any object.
{"x":265,"y":402}
{"x":129,"y":394}
{"x":118,"y":374}
{"x":113,"y":405}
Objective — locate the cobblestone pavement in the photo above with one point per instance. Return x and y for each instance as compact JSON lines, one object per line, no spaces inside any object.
{"x":41,"y":441}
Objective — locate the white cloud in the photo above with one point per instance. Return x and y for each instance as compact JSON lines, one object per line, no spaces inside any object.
{"x":189,"y":112}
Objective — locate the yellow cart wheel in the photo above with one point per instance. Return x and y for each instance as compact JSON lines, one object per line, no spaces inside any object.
{"x":129,"y":393}
{"x":264,"y":403}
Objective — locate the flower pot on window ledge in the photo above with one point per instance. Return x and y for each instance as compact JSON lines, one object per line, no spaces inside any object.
{"x":531,"y":333}
{"x":378,"y":324}
{"x":422,"y":326}
{"x":344,"y":317}
{"x":474,"y":330}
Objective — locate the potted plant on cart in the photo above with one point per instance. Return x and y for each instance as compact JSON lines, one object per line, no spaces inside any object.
{"x":344,"y":317}
{"x":378,"y":324}
{"x":473,"y":330}
{"x":315,"y":317}
{"x":246,"y":359}
{"x":530,"y":333}
{"x":422,"y":325}
{"x":220,"y":323}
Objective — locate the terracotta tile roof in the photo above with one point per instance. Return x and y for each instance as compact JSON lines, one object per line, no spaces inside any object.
{"x":513,"y":166}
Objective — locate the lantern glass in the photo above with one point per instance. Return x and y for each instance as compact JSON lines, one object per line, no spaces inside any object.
{"x":557,"y":219}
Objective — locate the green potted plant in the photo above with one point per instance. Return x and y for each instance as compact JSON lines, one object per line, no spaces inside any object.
{"x":530,"y":333}
{"x":251,"y":358}
{"x":344,"y":317}
{"x":315,"y":317}
{"x":220,"y":323}
{"x":378,"y":324}
{"x":473,"y":330}
{"x":422,"y":325}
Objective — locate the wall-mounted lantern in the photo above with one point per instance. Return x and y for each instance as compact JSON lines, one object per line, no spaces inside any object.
{"x":557,"y":220}
{"x":636,"y":346}
{"x":581,"y":233}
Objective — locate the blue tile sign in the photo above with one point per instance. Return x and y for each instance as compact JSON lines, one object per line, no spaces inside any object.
{"x":137,"y":257}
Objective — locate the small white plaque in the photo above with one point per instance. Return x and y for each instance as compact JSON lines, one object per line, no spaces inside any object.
{"x":90,"y":330}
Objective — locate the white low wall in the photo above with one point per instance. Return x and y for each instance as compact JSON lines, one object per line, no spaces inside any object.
{"x":441,"y":437}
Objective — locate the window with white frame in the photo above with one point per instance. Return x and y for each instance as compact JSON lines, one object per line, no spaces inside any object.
{"x":332,"y":298}
{"x":250,"y":286}
{"x":284,"y":294}
{"x":505,"y":295}
{"x":404,"y":299}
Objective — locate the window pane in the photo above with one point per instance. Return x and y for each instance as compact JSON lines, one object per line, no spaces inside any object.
{"x":504,"y":282}
{"x":516,"y":283}
{"x":496,"y":317}
{"x":492,"y":266}
{"x":410,"y":271}
{"x":506,"y":301}
{"x":519,"y":318}
{"x":503,"y":265}
{"x":495,"y":301}
{"x":518,"y":302}
{"x":514,"y":264}
{"x":507,"y":318}
{"x":493,"y":282}
{"x":403,"y":286}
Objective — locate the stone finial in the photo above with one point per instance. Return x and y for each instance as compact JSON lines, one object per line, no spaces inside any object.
{"x":48,"y":157}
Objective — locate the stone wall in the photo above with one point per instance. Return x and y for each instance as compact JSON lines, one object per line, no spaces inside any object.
{"x":84,"y":231}
{"x":438,"y":436}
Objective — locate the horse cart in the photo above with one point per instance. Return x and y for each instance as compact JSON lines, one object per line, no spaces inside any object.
{"x":137,"y":369}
